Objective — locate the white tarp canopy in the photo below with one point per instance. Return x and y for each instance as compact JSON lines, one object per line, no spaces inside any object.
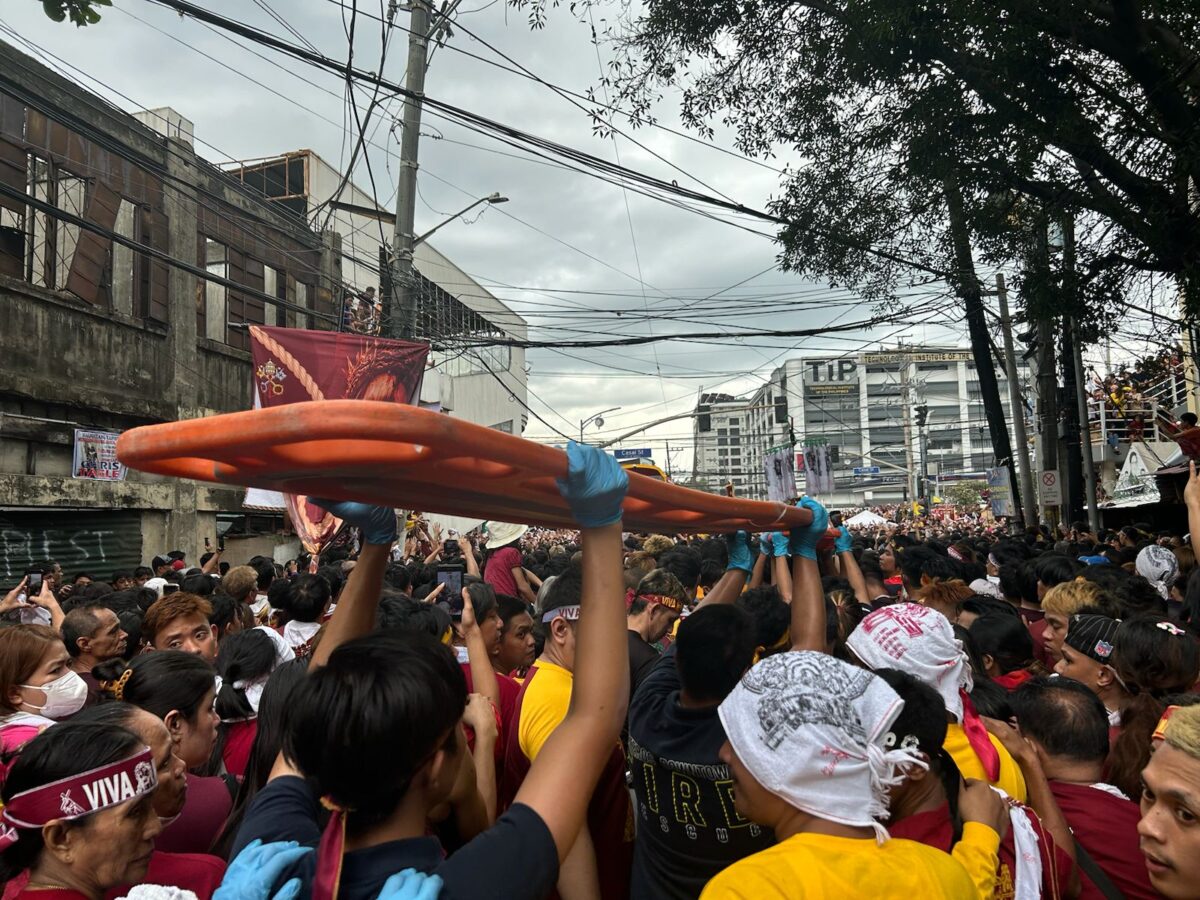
{"x":866,"y":519}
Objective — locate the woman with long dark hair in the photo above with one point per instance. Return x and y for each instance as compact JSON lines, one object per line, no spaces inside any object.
{"x":1151,"y":658}
{"x":273,"y":708}
{"x":179,"y":688}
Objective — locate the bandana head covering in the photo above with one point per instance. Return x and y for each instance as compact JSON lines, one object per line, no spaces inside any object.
{"x":1093,"y":636}
{"x":920,"y":641}
{"x":1158,"y":566}
{"x":812,"y":730}
{"x":659,"y":586}
{"x":79,"y":795}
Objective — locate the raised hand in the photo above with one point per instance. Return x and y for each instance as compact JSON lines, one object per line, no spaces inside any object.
{"x":594,"y":487}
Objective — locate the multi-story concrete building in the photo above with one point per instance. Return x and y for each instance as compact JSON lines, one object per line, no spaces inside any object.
{"x":865,"y":407}
{"x":717,"y":431}
{"x":129,"y":270}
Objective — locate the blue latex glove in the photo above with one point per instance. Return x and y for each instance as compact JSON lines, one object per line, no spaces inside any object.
{"x":256,"y":869}
{"x":804,"y":540}
{"x":594,"y":487}
{"x":378,"y":523}
{"x":843,"y":543}
{"x":740,"y":556}
{"x":779,"y":543}
{"x":411,"y":885}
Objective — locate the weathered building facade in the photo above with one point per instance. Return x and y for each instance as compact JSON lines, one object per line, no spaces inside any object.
{"x":106,"y":227}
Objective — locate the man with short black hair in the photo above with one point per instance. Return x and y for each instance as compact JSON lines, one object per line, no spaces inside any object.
{"x":654,"y":608}
{"x":601,"y":857}
{"x":689,"y":829}
{"x":305,"y":601}
{"x":1067,"y":725}
{"x":92,"y":634}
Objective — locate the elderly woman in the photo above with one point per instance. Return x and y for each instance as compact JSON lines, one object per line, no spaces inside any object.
{"x":79,"y":813}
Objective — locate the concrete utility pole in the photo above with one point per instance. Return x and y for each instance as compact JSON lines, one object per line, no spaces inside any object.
{"x":1028,"y":498}
{"x":401,"y":317}
{"x":1085,"y":435}
{"x":1047,"y":388}
{"x":1073,"y":502}
{"x":906,"y":417}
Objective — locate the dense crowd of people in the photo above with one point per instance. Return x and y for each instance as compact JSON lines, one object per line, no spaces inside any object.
{"x":915,"y":710}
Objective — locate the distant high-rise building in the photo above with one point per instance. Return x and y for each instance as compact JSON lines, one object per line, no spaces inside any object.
{"x":863,"y":406}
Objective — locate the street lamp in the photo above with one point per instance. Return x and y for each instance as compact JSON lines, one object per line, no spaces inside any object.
{"x":597,"y":418}
{"x":491,"y":198}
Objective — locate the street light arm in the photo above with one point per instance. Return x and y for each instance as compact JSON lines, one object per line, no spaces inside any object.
{"x":686,"y":415}
{"x":491,"y":198}
{"x":422,"y":238}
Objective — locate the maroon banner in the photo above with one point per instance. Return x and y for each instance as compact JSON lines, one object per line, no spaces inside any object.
{"x":292,"y":365}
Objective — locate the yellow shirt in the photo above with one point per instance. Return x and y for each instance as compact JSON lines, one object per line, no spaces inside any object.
{"x":1011,"y":781}
{"x":544,"y":707}
{"x":821,"y":867}
{"x":979,"y":853}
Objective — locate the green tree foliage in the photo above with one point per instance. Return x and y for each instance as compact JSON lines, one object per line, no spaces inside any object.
{"x":81,"y":12}
{"x":1034,"y":110}
{"x":963,"y":493}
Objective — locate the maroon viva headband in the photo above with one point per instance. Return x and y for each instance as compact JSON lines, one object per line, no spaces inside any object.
{"x":79,"y":795}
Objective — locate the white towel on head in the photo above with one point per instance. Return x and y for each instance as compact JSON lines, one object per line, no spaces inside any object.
{"x":920,"y":641}
{"x":810,"y":729}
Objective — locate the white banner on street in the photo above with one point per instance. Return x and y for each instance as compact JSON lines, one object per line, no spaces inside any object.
{"x":781,"y":475}
{"x":818,"y":473}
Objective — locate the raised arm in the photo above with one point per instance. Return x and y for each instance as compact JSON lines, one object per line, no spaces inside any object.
{"x":355,"y":613}
{"x":483,"y":676}
{"x":780,"y":573}
{"x":1191,"y":497}
{"x":562,"y":778}
{"x":808,"y":599}
{"x":213,"y":564}
{"x":741,"y":564}
{"x":843,"y":547}
{"x":760,"y":565}
{"x":467,"y":552}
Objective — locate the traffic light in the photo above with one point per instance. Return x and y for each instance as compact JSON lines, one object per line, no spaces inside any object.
{"x":922,"y":412}
{"x":1030,"y":338}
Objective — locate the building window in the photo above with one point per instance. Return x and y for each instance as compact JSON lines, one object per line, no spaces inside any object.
{"x":216,"y":296}
{"x":506,"y":427}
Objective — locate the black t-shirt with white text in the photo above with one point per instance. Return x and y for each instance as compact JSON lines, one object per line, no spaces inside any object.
{"x":688,"y":828}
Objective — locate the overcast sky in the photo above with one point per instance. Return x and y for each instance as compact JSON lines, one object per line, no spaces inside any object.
{"x":232,"y":104}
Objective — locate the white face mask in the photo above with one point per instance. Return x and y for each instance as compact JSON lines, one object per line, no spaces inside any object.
{"x":65,"y":696}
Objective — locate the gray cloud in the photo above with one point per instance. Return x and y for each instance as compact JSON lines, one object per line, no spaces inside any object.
{"x":235,"y":111}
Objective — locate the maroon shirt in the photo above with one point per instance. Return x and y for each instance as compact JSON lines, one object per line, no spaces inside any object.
{"x":498,"y":571}
{"x":1105,"y":826}
{"x":609,"y":815}
{"x":204,"y":813}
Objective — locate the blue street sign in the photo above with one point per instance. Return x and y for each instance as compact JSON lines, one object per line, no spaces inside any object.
{"x":641,"y":453}
{"x":866,"y":470}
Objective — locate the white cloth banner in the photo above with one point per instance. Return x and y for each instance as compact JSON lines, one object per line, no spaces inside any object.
{"x":781,"y":475}
{"x":818,"y":472}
